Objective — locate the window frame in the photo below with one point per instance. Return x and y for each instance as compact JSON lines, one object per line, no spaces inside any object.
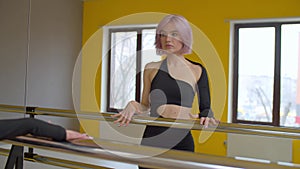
{"x":105,"y":91}
{"x":235,"y":26}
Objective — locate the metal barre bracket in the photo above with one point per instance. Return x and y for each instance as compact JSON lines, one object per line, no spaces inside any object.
{"x":30,"y":109}
{"x":15,"y":157}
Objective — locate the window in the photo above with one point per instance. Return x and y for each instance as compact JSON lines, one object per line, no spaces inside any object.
{"x":130,"y":49}
{"x":266,"y":71}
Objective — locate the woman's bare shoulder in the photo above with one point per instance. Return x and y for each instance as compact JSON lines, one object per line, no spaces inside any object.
{"x":197,"y":68}
{"x":151,"y":69}
{"x":153,"y":65}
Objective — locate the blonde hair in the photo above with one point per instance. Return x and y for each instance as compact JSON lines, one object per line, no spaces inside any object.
{"x":183,"y":28}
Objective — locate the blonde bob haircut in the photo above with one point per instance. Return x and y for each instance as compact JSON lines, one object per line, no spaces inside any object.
{"x":184,"y":30}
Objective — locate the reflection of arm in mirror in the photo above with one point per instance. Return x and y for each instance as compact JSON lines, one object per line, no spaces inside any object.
{"x":11,"y":128}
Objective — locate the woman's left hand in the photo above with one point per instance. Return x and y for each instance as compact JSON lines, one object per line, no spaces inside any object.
{"x":207,"y":121}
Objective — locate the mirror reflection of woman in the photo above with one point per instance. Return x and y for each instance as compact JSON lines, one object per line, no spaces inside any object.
{"x":170,"y":86}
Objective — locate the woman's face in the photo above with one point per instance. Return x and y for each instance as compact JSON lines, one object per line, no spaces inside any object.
{"x":170,"y":39}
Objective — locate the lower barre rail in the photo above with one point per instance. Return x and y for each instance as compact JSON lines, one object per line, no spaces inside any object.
{"x":54,"y":161}
{"x":141,"y":155}
{"x":65,"y":163}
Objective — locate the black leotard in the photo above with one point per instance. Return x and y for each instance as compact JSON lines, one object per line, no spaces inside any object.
{"x":167,"y":90}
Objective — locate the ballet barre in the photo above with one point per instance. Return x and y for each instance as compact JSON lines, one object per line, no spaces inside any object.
{"x":12,"y":108}
{"x":141,"y":155}
{"x":136,"y":151}
{"x":261,"y":130}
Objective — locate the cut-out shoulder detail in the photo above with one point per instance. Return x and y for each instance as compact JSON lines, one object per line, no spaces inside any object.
{"x":167,"y":90}
{"x":195,"y":68}
{"x":197,"y":72}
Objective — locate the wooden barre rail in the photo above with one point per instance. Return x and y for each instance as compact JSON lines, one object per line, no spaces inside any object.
{"x":143,"y":155}
{"x":271,"y":131}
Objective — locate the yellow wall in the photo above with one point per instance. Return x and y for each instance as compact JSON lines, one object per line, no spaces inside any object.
{"x":211,"y":17}
{"x":296,"y":151}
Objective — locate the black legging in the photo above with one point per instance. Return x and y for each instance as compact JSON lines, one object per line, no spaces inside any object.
{"x":168,"y":138}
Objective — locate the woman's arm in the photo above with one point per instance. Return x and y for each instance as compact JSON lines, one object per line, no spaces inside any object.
{"x":206,"y":114}
{"x":203,"y":94}
{"x":134,"y":107}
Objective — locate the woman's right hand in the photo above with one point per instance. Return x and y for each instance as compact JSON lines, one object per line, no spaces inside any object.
{"x":73,"y":135}
{"x":125,"y":116}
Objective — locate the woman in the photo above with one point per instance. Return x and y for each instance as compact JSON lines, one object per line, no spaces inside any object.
{"x":17,"y":127}
{"x":170,"y":86}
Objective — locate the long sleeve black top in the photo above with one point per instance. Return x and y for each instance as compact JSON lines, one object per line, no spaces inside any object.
{"x":17,"y":127}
